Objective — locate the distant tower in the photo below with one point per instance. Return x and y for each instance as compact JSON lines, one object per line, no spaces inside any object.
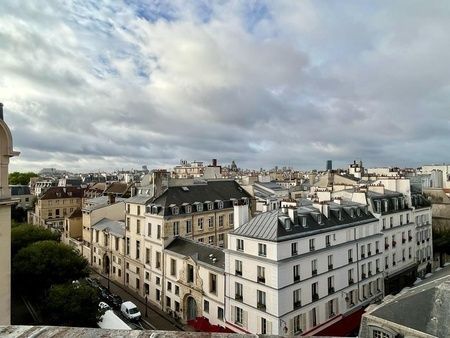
{"x":329,"y":165}
{"x":6,"y":151}
{"x":233,"y":166}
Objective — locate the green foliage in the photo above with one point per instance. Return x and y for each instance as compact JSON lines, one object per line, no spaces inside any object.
{"x":441,"y":240}
{"x":23,"y":235}
{"x":21,"y":178}
{"x":42,"y":264}
{"x":72,"y":304}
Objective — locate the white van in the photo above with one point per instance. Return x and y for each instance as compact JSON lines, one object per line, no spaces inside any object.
{"x":130,"y":311}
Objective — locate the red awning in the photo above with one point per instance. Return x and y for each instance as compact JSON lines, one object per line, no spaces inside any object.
{"x":344,"y":327}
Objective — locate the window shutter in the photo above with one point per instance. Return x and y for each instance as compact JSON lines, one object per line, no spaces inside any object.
{"x":233,"y":313}
{"x":245,"y":318}
{"x":290,"y":327}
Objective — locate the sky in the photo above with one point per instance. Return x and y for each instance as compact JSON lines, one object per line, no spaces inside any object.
{"x":103,"y":85}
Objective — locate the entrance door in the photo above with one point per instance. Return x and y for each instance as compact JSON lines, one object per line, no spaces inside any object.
{"x":191,"y":308}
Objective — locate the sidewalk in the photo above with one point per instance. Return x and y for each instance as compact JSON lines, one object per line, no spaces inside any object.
{"x":157,"y":318}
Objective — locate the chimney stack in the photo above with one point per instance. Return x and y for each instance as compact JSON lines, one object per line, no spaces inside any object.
{"x":214,"y":162}
{"x":1,"y":111}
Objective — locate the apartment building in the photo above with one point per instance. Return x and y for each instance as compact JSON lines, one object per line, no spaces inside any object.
{"x":6,"y":152}
{"x":54,"y":205}
{"x":300,"y":269}
{"x":22,"y":195}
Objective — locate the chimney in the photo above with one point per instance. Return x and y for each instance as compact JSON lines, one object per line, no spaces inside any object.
{"x":241,"y":213}
{"x":1,"y":111}
{"x":111,"y":199}
{"x":293,"y":214}
{"x":214,"y":162}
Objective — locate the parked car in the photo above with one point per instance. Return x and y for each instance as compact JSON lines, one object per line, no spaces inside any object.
{"x":104,"y":306}
{"x":115,"y":301}
{"x":130,"y":311}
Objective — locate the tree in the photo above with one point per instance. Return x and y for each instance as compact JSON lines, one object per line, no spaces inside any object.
{"x":42,"y":264}
{"x":26,"y":234}
{"x":72,"y":304}
{"x":21,"y":178}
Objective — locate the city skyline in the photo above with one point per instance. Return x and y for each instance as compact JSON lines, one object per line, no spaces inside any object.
{"x":89,"y":85}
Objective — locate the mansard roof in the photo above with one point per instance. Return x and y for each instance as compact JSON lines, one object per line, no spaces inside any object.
{"x":271,"y":226}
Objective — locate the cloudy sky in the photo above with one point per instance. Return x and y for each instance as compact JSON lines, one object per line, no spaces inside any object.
{"x":91,"y":85}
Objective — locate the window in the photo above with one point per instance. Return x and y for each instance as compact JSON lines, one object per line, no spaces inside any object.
{"x":330,"y":281}
{"x":158,"y":231}
{"x":138,"y":249}
{"x":149,"y":229}
{"x":401,"y":219}
{"x":350,"y":255}
{"x":327,"y":240}
{"x":238,"y":267}
{"x":137,"y":283}
{"x":380,"y":334}
{"x":147,"y":256}
{"x":176,"y":228}
{"x":314,"y":267}
{"x":188,"y":226}
{"x":230,"y":219}
{"x":212,"y":283}
{"x":158,"y":295}
{"x":210,"y":205}
{"x":206,"y":306}
{"x":296,"y":270}
{"x":263,"y":326}
{"x":238,"y":291}
{"x":177,"y":306}
{"x":128,"y":246}
{"x":219,"y":313}
{"x":297,"y":301}
{"x":262,"y":250}
{"x":128,"y":224}
{"x":299,"y":324}
{"x":311,"y":244}
{"x":175,"y":210}
{"x":261,"y":272}
{"x":173,"y":267}
{"x":200,"y":223}
{"x":210,"y":222}
{"x":294,"y":251}
{"x":210,"y":239}
{"x":147,"y":275}
{"x":261,"y":299}
{"x":188,"y":209}
{"x":314,"y":290}
{"x":190,"y":274}
{"x":350,"y":277}
{"x":128,"y":208}
{"x":330,"y":262}
{"x":239,"y":316}
{"x":240,"y":244}
{"x":158,"y":260}
{"x":177,"y":290}
{"x":138,"y":226}
{"x":221,"y":220}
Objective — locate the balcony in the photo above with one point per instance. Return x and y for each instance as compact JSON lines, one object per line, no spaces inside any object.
{"x":351,"y":281}
{"x":377,"y":251}
{"x":370,"y":273}
{"x":418,"y":242}
{"x":314,"y":272}
{"x":394,"y":243}
{"x":386,"y":246}
{"x":294,"y":253}
{"x":369,"y":253}
{"x":409,"y":238}
{"x":363,"y":276}
{"x":297,"y":279}
{"x":350,"y":260}
{"x":297,"y":305}
{"x":311,"y":248}
{"x":386,"y":267}
{"x":238,"y":273}
{"x":330,"y":290}
{"x":403,"y":259}
{"x":315,"y":297}
{"x":261,"y":279}
{"x":330,"y":266}
{"x":327,"y":244}
{"x":423,"y":241}
{"x":238,"y":297}
{"x":403,"y":240}
{"x":428,"y":239}
{"x":363,"y":256}
{"x":410,"y":256}
{"x":261,"y":306}
{"x":394,"y":263}
{"x":377,"y":270}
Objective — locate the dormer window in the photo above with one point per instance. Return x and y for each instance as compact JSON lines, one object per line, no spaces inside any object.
{"x":395,"y":204}
{"x":210,"y":206}
{"x":378,"y":206}
{"x":402,"y":203}
{"x":319,"y":218}
{"x":175,"y":210}
{"x":220,"y":204}
{"x":154,"y":209}
{"x":340,"y":215}
{"x":187,"y":209}
{"x":358,"y":212}
{"x":199,"y":207}
{"x":385,"y":205}
{"x":304,"y":221}
{"x":352,"y":213}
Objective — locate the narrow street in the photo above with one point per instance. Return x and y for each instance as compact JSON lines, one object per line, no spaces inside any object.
{"x":155,"y":319}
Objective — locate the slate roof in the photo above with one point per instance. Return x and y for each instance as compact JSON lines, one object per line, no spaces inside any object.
{"x":269,"y":225}
{"x":115,"y":227}
{"x":425,"y":308}
{"x":139,"y":199}
{"x":220,"y":190}
{"x":62,"y":192}
{"x":198,"y":251}
{"x":99,"y":202}
{"x":17,"y":190}
{"x":117,"y":188}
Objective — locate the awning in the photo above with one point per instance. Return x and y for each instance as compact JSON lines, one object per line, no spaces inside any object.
{"x":344,"y":327}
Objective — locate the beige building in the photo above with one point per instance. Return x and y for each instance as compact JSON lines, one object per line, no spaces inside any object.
{"x":6,"y":151}
{"x":72,"y":234}
{"x":54,"y":205}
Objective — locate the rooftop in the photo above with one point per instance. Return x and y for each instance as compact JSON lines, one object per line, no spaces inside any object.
{"x":114,"y":227}
{"x":62,"y":192}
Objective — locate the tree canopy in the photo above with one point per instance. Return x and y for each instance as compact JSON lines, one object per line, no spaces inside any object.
{"x":72,"y":304}
{"x":21,"y":178}
{"x":42,"y":264}
{"x":25,"y":234}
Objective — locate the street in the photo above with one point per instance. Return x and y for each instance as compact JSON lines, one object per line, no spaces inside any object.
{"x":155,"y":319}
